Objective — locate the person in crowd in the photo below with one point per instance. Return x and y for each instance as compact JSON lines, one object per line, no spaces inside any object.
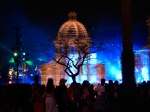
{"x":85,"y":98}
{"x":109,"y":92}
{"x":92,"y":93}
{"x":73,"y":97}
{"x":61,"y":96}
{"x":115,"y":86}
{"x":100,"y":101}
{"x":50,"y":99}
{"x":36,"y":95}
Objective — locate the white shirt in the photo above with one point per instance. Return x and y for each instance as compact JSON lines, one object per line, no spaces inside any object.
{"x":100,"y":89}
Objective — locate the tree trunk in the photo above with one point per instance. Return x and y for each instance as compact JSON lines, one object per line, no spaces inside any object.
{"x":73,"y":79}
{"x":127,"y":101}
{"x":127,"y":56}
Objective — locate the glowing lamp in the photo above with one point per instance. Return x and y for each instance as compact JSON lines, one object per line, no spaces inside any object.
{"x":15,"y":54}
{"x":10,"y":82}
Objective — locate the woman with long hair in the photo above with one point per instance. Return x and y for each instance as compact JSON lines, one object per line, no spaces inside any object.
{"x":50,"y":101}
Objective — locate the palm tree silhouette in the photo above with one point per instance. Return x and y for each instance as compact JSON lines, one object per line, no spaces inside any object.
{"x":128,"y":86}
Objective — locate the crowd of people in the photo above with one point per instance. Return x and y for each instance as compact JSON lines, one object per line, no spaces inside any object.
{"x":77,"y":97}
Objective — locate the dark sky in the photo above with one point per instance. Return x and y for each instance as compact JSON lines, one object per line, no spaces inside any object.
{"x":40,"y":19}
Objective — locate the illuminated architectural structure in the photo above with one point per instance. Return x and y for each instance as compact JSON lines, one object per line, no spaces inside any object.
{"x":70,"y":31}
{"x":103,"y":64}
{"x":142,"y":62}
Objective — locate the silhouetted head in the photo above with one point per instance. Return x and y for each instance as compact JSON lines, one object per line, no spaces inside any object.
{"x":86,"y":83}
{"x":49,"y":86}
{"x":62,"y":81}
{"x":36,"y":78}
{"x":116,"y":82}
{"x":110,"y":82}
{"x":91,"y":86}
{"x":102,"y":81}
{"x":50,"y":81}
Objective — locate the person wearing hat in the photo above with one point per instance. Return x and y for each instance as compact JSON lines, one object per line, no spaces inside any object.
{"x":62,"y":81}
{"x":61,"y":95}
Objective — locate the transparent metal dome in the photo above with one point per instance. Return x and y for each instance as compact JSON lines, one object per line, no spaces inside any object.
{"x":72,"y":28}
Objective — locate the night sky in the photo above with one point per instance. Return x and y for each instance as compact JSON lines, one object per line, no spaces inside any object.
{"x":40,"y":20}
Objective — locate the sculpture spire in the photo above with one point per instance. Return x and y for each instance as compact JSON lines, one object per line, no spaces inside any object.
{"x":72,"y":15}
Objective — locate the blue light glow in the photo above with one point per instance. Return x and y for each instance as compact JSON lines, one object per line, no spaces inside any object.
{"x":112,"y":66}
{"x":142,"y":68}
